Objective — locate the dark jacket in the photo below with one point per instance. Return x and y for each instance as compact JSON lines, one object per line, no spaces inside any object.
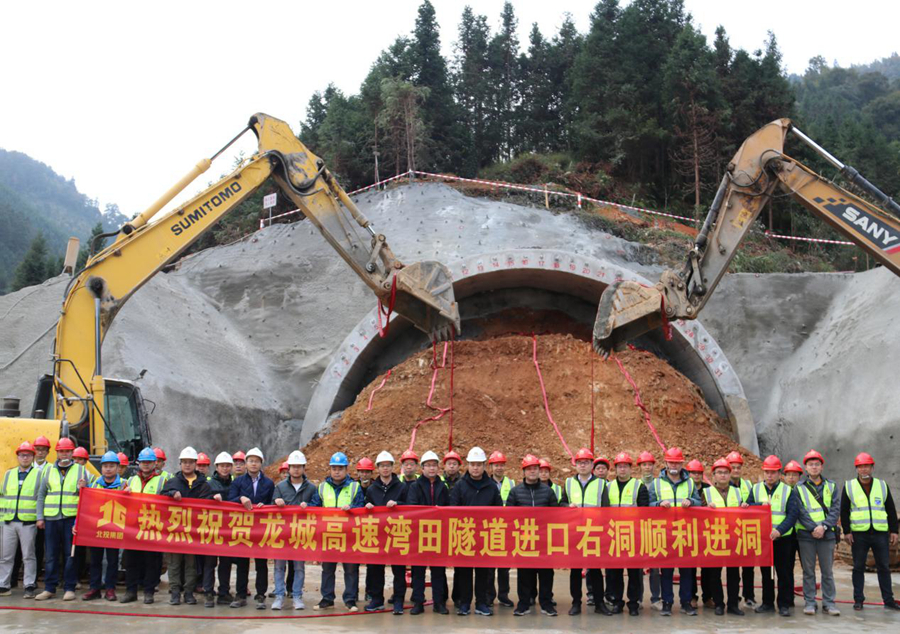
{"x":537,"y":494}
{"x":423,"y":492}
{"x":643,"y":496}
{"x":450,"y":482}
{"x":471,"y":492}
{"x":179,"y":484}
{"x":358,"y":501}
{"x":242,"y":486}
{"x":218,"y":484}
{"x":888,"y":507}
{"x":379,"y":494}
{"x":294,"y":497}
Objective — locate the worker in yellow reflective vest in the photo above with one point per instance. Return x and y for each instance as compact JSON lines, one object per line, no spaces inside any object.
{"x":500,"y":591}
{"x":625,"y":491}
{"x":18,"y":514}
{"x":722,"y":494}
{"x":143,"y":567}
{"x":547,"y":478}
{"x":409,"y":464}
{"x":784,"y":503}
{"x":817,"y":532}
{"x":869,"y":520}
{"x":748,"y":578}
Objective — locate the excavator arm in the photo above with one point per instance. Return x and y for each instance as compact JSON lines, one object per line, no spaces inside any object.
{"x":422,"y":292}
{"x":758,"y":170}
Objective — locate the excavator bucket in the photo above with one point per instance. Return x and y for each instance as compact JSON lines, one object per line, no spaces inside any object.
{"x":627,"y":310}
{"x":425,"y":297}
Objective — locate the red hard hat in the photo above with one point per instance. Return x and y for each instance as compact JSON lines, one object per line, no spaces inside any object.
{"x":812,"y":454}
{"x":734,"y":458}
{"x":25,"y":447}
{"x":452,"y":455}
{"x":646,"y":456}
{"x":530,"y":461}
{"x":284,"y":466}
{"x":600,"y":459}
{"x":584,"y":454}
{"x":862,"y":459}
{"x":239,"y":455}
{"x":409,"y":454}
{"x":65,"y":444}
{"x":365,"y":464}
{"x":160,"y":454}
{"x":674,"y":454}
{"x":794,"y":466}
{"x":721,"y":463}
{"x":202,"y":459}
{"x":695,"y":466}
{"x":123,"y":459}
{"x":81,"y":452}
{"x":772,"y":463}
{"x":545,"y":464}
{"x":623,"y":458}
{"x":497,"y":458}
{"x":42,"y":441}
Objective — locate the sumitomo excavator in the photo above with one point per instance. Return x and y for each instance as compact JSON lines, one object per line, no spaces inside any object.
{"x":100,"y":413}
{"x":759,"y":169}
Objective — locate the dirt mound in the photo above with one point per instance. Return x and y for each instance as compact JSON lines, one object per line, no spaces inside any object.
{"x":498,"y":405}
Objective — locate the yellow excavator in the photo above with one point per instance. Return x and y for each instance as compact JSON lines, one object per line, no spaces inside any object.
{"x":76,"y":400}
{"x":759,"y":168}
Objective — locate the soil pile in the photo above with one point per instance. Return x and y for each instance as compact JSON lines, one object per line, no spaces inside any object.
{"x":498,"y":405}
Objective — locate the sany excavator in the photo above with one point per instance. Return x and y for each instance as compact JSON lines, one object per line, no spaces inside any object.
{"x":759,"y":168}
{"x":76,"y":400}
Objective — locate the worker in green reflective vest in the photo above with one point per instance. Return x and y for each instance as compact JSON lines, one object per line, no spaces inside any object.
{"x":817,"y":531}
{"x":409,"y":465}
{"x":161,"y":464}
{"x":625,"y":491}
{"x":143,"y":567}
{"x":869,"y":520}
{"x":784,"y":503}
{"x":722,"y":494}
{"x":748,"y":578}
{"x":500,"y":591}
{"x":546,"y":478}
{"x":452,"y":462}
{"x":18,"y":514}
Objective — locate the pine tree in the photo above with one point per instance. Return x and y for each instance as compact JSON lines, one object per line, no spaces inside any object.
{"x":505,"y":73}
{"x":540,"y":110}
{"x":472,"y":85}
{"x":33,"y":269}
{"x":564,"y":51}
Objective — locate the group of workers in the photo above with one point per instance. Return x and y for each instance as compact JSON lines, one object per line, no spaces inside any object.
{"x":40,"y":499}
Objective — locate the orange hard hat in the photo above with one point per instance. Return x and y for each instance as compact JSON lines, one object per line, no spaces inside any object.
{"x":452,"y":455}
{"x":602,"y":459}
{"x":239,"y":455}
{"x":203,"y":459}
{"x":545,"y":464}
{"x":81,"y":452}
{"x":284,"y":466}
{"x":623,"y":458}
{"x":42,"y":441}
{"x":721,"y":463}
{"x":409,"y":454}
{"x":25,"y":447}
{"x":812,"y":454}
{"x":160,"y":454}
{"x":123,"y":459}
{"x":674,"y":454}
{"x":65,"y":444}
{"x":530,"y":461}
{"x":646,"y":456}
{"x":863,"y":459}
{"x":772,"y":463}
{"x":794,"y":466}
{"x":365,"y":464}
{"x":695,"y":466}
{"x":584,"y":454}
{"x":734,"y":458}
{"x":497,"y":458}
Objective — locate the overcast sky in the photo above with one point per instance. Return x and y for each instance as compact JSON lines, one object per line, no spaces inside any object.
{"x":125,"y":97}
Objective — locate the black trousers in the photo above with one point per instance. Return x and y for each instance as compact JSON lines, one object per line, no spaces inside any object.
{"x":482,"y":586}
{"x":243,"y":574}
{"x":375,"y":582}
{"x":438,"y":584}
{"x":527,"y":586}
{"x":594,"y":582}
{"x":748,"y":579}
{"x":615,"y":584}
{"x":879,"y":544}
{"x":142,"y":568}
{"x":783,"y":550}
{"x":502,"y":587}
{"x":733,"y":581}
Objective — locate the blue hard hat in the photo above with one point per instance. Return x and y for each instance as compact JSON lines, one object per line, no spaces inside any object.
{"x":146,"y":454}
{"x":110,"y":456}
{"x":339,"y":460}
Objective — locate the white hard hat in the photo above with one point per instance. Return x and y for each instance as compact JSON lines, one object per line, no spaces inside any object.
{"x":476,"y":454}
{"x":224,"y":458}
{"x":296,"y":458}
{"x":188,"y":453}
{"x":255,"y":452}
{"x":430,"y":455}
{"x":385,"y":456}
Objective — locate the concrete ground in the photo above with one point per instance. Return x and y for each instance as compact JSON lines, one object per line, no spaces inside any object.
{"x":871,"y":619}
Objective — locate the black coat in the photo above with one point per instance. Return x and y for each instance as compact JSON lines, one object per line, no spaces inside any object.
{"x":218,"y":484}
{"x":243,"y":487}
{"x":379,"y":494}
{"x":470,"y":492}
{"x":179,"y":484}
{"x":423,"y":492}
{"x":537,"y":494}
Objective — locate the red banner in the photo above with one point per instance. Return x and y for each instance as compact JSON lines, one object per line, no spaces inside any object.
{"x":487,"y":537}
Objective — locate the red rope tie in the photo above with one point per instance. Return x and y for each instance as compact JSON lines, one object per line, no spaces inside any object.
{"x":639,"y":403}
{"x":544,"y":394}
{"x":380,"y":385}
{"x":440,"y":410}
{"x":382,"y":331}
{"x":452,"y":366}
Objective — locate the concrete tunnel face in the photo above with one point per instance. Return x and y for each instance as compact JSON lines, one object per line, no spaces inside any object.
{"x":543,"y":281}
